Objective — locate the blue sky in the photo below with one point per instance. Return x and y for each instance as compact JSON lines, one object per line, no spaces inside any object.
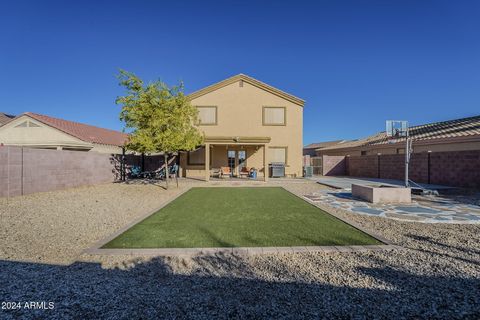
{"x":356,"y":63}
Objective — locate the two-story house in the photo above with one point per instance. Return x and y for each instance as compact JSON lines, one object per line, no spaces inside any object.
{"x":246,"y":123}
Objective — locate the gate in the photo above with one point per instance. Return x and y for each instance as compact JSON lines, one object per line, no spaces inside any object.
{"x":317,"y":164}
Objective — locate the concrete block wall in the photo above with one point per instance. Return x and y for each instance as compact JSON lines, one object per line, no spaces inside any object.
{"x":460,"y":168}
{"x":24,"y":171}
{"x":333,"y":165}
{"x":362,"y":166}
{"x":452,"y":168}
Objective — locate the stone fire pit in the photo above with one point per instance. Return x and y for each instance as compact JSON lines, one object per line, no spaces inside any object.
{"x":382,"y":194}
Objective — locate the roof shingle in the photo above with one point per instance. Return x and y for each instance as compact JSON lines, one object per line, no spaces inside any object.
{"x":82,"y":131}
{"x":4,"y":118}
{"x":320,"y":145}
{"x":463,"y":127}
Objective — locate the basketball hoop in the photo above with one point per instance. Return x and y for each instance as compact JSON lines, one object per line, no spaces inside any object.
{"x":396,"y":129}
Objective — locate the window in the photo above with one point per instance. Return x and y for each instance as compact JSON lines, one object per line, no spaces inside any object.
{"x":207,"y":115}
{"x":274,"y":116}
{"x":196,"y":157}
{"x":400,"y":150}
{"x":363,"y":153}
{"x":278,"y":154}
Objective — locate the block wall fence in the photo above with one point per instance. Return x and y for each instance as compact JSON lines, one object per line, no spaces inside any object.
{"x":24,"y":170}
{"x":28,"y":170}
{"x":453,"y":168}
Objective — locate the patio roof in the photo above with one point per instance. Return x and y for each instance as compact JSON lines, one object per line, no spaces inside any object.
{"x":237,"y":140}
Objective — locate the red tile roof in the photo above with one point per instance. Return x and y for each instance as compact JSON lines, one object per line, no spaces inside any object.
{"x":82,"y":131}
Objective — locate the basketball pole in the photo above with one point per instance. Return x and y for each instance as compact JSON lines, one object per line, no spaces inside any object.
{"x":407,"y":157}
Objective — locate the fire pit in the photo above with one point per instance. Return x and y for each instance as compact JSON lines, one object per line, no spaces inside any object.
{"x":382,"y":194}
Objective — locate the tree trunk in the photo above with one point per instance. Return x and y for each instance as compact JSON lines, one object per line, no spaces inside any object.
{"x":165,"y":155}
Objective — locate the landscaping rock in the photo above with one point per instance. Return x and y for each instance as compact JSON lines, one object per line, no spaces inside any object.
{"x":42,"y":238}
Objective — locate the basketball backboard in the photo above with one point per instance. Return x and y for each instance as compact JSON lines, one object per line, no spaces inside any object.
{"x":396,"y":128}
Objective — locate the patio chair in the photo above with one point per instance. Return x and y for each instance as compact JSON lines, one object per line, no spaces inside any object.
{"x":173,"y":170}
{"x":135,"y":172}
{"x":245,"y":172}
{"x":225,"y":172}
{"x":216,"y":172}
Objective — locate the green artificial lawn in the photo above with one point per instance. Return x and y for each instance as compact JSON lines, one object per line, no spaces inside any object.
{"x":239,"y":217}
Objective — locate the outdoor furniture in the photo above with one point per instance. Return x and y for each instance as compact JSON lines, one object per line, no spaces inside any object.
{"x":173,"y":170}
{"x":225,"y":171}
{"x":135,"y":172}
{"x":245,"y":172}
{"x":216,"y":172}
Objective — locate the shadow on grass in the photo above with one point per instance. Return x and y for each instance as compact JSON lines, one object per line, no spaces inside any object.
{"x":227,"y":287}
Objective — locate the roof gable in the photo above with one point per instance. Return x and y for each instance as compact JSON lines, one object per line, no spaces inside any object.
{"x":251,"y":81}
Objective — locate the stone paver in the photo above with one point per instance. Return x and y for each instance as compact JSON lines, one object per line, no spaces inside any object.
{"x":427,"y":209}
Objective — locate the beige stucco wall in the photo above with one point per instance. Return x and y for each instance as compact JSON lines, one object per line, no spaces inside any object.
{"x":239,"y":113}
{"x":46,"y":137}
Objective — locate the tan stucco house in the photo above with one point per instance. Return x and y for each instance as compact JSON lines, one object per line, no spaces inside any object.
{"x":40,"y":131}
{"x":246,"y":123}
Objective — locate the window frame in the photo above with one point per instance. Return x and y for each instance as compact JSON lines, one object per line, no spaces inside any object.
{"x":216,"y":116}
{"x":274,"y":124}
{"x":280,"y":147}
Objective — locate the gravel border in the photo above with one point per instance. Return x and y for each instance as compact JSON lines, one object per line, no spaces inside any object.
{"x":436,"y":276}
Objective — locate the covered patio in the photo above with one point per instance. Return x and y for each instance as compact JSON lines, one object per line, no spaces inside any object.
{"x":234,"y":153}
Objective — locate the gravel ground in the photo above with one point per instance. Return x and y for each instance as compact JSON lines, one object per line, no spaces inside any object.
{"x":42,"y":237}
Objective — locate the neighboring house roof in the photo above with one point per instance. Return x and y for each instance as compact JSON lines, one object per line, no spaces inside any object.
{"x":82,"y":131}
{"x":4,"y":118}
{"x":464,"y":127}
{"x":321,"y":145}
{"x":251,"y":81}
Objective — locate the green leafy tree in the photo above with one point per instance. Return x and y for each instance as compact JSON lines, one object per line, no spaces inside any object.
{"x":161,"y":118}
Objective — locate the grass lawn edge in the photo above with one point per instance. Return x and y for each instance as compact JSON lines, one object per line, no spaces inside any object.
{"x":99,"y":248}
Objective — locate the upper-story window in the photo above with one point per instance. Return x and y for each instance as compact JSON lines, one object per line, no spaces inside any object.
{"x":207,"y":115}
{"x":274,"y":116}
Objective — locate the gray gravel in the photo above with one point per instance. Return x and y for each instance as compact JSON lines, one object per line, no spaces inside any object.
{"x":42,"y":237}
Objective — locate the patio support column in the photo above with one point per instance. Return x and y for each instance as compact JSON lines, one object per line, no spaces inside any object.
{"x":265,"y":163}
{"x":207,"y":162}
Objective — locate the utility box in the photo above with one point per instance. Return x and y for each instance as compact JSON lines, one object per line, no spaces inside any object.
{"x":277,"y":169}
{"x":308,"y":171}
